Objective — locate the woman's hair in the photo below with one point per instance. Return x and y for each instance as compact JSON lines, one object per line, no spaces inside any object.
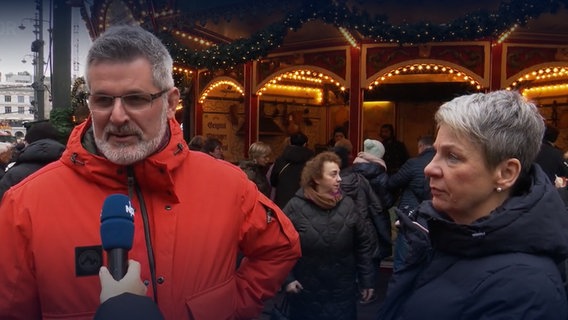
{"x":314,"y":168}
{"x":258,"y":149}
{"x":210,"y":144}
{"x":126,"y":43}
{"x":503,"y":123}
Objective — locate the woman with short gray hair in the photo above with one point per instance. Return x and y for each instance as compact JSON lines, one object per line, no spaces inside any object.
{"x":488,"y":243}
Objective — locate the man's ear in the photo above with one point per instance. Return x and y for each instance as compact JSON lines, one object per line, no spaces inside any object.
{"x":173,"y":100}
{"x":507,"y":173}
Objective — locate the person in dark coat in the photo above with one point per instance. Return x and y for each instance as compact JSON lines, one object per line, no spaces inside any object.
{"x":256,"y":165}
{"x":550,"y":158}
{"x":411,"y":180}
{"x":371,"y":165}
{"x":488,"y":243}
{"x":368,"y":205}
{"x":42,"y":148}
{"x":396,"y":153}
{"x":410,"y":177}
{"x":287,"y":168}
{"x":337,"y":252}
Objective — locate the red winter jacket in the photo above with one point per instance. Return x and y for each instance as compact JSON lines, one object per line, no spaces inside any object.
{"x":201,"y":211}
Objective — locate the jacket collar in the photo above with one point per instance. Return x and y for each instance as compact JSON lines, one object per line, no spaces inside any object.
{"x":153,"y":174}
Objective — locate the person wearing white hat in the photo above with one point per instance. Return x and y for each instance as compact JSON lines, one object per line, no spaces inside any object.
{"x":369,"y":164}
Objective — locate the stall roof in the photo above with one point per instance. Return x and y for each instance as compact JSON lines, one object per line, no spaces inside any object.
{"x":233,"y":30}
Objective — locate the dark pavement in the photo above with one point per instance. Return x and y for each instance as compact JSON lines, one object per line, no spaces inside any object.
{"x":365,"y":312}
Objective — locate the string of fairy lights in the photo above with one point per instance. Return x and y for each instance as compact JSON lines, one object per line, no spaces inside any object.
{"x":478,"y":25}
{"x":429,"y":68}
{"x":482,"y":24}
{"x":549,"y":74}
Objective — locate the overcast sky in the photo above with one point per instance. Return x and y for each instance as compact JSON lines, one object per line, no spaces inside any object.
{"x":15,"y":44}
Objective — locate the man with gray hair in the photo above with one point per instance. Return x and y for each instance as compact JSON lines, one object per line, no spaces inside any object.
{"x":192,"y":213}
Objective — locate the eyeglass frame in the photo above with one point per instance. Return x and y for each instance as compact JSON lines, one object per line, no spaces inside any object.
{"x":153,"y":96}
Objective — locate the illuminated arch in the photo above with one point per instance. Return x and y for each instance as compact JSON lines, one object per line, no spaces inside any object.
{"x":306,"y":73}
{"x":549,"y":70}
{"x":217,"y":82}
{"x":425,"y":67}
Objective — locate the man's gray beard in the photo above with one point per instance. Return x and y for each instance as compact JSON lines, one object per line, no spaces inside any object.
{"x":129,"y":154}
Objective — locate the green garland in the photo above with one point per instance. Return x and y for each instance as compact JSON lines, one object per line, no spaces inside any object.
{"x":478,"y":25}
{"x":64,"y":119}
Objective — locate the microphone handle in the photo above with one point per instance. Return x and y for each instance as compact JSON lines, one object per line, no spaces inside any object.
{"x":117,"y":262}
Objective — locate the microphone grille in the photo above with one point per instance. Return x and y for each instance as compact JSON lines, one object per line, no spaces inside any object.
{"x":117,"y":222}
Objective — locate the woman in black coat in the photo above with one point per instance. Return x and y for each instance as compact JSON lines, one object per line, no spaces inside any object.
{"x":337,"y":251}
{"x":488,"y":243}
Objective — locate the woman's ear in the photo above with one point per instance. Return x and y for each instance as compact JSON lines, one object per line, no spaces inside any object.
{"x":507,"y":173}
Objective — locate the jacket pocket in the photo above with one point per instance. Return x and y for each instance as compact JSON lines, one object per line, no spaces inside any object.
{"x":216,"y":303}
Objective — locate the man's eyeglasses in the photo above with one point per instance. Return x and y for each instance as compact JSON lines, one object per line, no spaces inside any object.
{"x":134,"y":101}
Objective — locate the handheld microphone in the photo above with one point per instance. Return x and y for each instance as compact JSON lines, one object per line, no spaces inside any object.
{"x":117,"y":233}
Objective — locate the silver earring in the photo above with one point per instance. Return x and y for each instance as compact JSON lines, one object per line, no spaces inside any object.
{"x":499,"y":189}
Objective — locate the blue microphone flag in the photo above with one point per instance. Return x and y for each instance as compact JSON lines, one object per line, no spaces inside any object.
{"x":117,"y":222}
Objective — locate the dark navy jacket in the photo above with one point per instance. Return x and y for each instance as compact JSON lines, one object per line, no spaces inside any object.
{"x":128,"y":306}
{"x":287,"y":171}
{"x":502,"y":266}
{"x":410,"y":178}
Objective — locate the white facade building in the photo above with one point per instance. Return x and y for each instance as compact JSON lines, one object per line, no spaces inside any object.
{"x":16,"y":103}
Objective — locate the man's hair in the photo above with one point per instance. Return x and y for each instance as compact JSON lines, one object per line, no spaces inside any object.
{"x":210,"y":144}
{"x":124,"y":43}
{"x":298,"y":139}
{"x":503,"y":123}
{"x":41,"y":130}
{"x":340,"y":130}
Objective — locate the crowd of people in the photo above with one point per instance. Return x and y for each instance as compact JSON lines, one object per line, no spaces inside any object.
{"x":475,"y":223}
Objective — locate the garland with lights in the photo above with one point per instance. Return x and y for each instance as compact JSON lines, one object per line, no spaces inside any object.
{"x":474,"y":26}
{"x":64,"y":119}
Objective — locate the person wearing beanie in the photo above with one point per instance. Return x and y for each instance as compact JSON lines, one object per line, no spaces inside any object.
{"x":370,"y":165}
{"x":367,"y":204}
{"x":41,"y":130}
{"x":42,"y":148}
{"x":373,"y":151}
